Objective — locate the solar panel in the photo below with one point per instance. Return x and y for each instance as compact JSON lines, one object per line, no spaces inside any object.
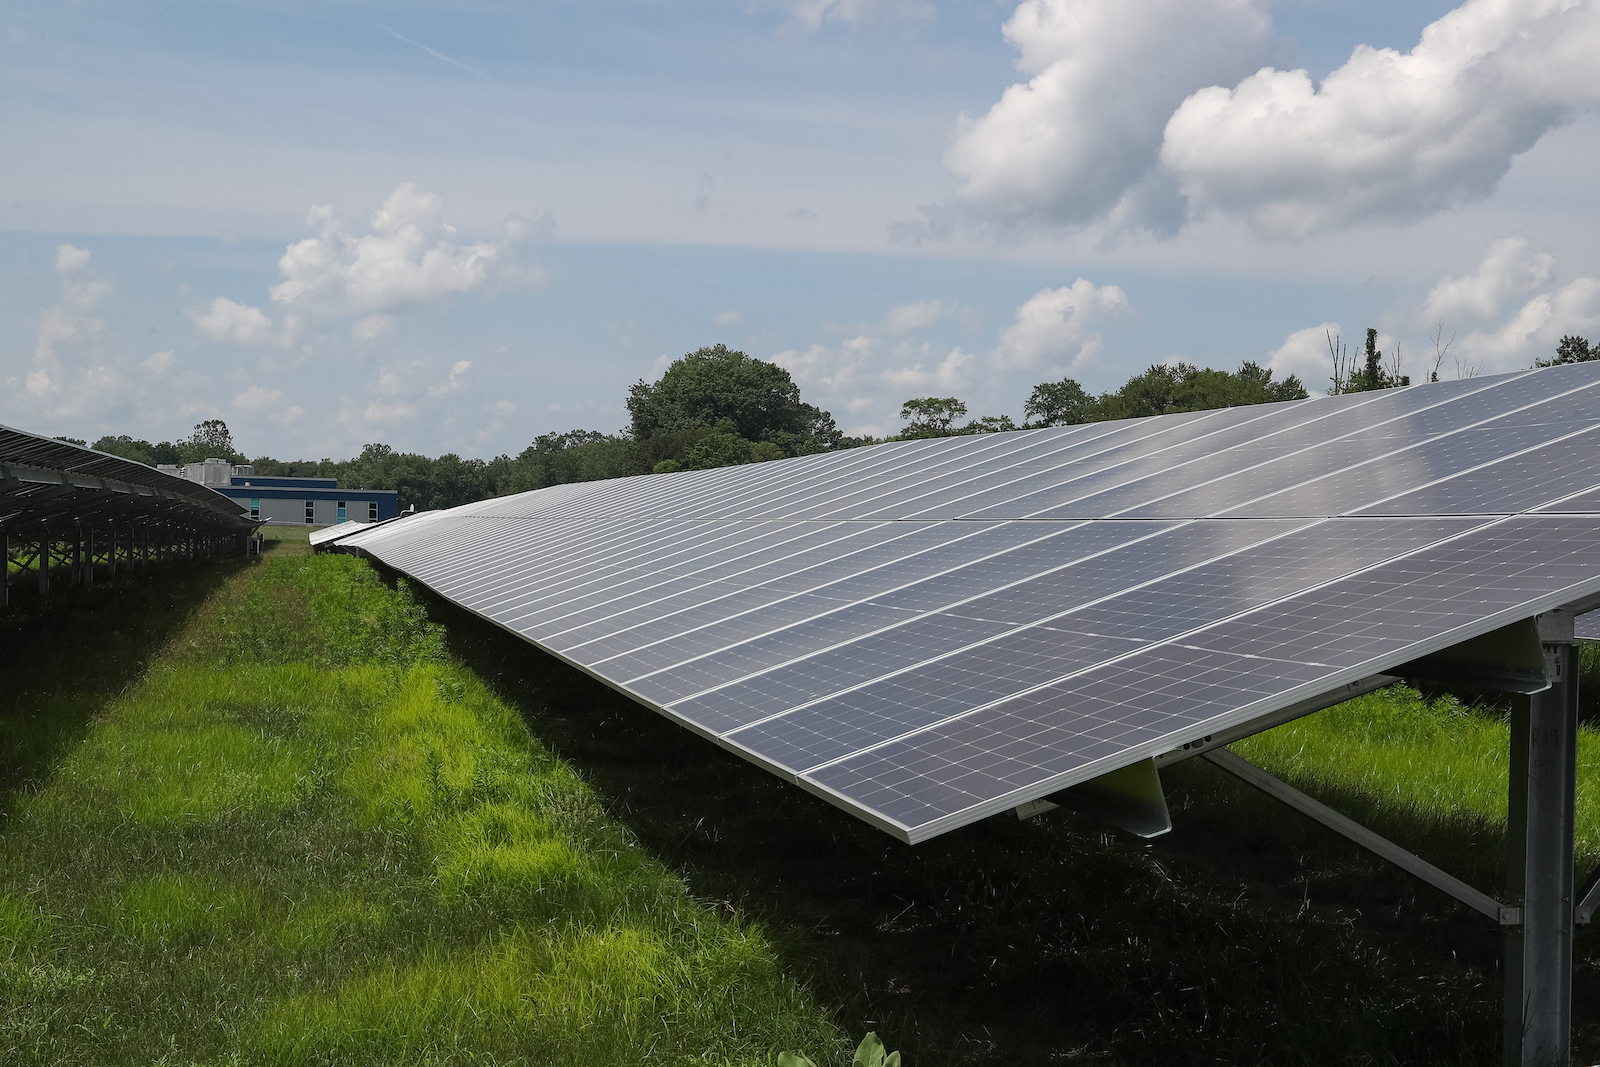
{"x":929,"y":632}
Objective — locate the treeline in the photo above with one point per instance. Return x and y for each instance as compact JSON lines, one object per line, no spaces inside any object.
{"x":717,"y":407}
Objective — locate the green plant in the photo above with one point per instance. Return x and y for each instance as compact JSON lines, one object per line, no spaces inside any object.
{"x":869,"y":1054}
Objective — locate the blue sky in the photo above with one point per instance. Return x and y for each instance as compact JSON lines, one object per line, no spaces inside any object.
{"x":454,"y":227}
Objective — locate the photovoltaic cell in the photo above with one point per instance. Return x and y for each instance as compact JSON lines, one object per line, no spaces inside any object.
{"x":929,"y":632}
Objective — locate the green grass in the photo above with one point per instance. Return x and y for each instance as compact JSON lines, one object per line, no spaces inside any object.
{"x":1431,"y":771}
{"x":290,"y":814}
{"x":1248,"y":935}
{"x":303,"y":834}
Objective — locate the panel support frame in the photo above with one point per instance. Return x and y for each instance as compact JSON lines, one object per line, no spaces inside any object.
{"x":1540,"y":825}
{"x":1370,"y":840}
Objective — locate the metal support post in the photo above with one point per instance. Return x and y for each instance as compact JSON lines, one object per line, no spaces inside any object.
{"x":44,"y":560}
{"x":1588,"y":899}
{"x":111,"y":556}
{"x":88,"y":557}
{"x":1539,"y":861}
{"x":77,"y":556}
{"x":5,"y":578}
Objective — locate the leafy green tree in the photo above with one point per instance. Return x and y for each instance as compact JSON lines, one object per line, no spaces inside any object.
{"x":574,"y":456}
{"x":931,"y":416}
{"x":210,"y":440}
{"x":1063,"y":403}
{"x":710,"y":385}
{"x":1571,"y":349}
{"x":1161,"y":389}
{"x":128,"y":448}
{"x":990,"y":424}
{"x":725,"y":448}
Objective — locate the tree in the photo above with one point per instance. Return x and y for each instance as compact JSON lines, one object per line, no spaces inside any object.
{"x":710,"y":385}
{"x":931,"y":416}
{"x":128,"y":448}
{"x":210,"y":440}
{"x":990,"y":424}
{"x":1063,"y":403}
{"x":1571,"y":349}
{"x":1161,"y":389}
{"x":1371,"y":374}
{"x":725,"y":448}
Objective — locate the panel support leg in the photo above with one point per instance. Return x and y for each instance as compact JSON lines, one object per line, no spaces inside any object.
{"x":5,"y":579}
{"x":44,"y":561}
{"x":1539,"y":861}
{"x":88,"y":557}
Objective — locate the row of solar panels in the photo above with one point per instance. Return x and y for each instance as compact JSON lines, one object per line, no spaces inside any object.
{"x":46,"y":482}
{"x":929,"y":632}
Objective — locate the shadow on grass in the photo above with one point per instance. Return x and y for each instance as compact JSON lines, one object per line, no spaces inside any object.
{"x":65,"y":656}
{"x":1247,"y":936}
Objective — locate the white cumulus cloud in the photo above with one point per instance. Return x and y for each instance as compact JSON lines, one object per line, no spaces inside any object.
{"x":1080,"y":140}
{"x":1510,"y":269}
{"x":1536,"y":328}
{"x":1388,"y":136}
{"x":225,"y":320}
{"x":410,"y":258}
{"x":159,"y":361}
{"x":454,"y":383}
{"x":874,"y":368}
{"x":1306,"y":355}
{"x":1051,"y":327}
{"x":946,"y":375}
{"x":71,"y":319}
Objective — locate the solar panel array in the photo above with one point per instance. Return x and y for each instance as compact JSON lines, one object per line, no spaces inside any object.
{"x":45,"y":480}
{"x":929,"y":632}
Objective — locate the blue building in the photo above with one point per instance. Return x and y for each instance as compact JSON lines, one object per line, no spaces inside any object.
{"x":291,"y":501}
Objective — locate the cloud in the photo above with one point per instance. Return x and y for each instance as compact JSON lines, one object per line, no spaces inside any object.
{"x":727,"y":318}
{"x":159,"y":362}
{"x":909,"y":318}
{"x":71,"y":319}
{"x":257,"y":396}
{"x":1050,"y":327}
{"x":411,"y":258}
{"x":1535,"y":329}
{"x":877,"y":365}
{"x":454,"y":382}
{"x":1510,"y":269}
{"x":947,"y":375}
{"x":377,"y":414}
{"x":1127,"y":119}
{"x":1388,"y":136}
{"x":373,"y":327}
{"x":225,"y":320}
{"x":1305,"y":355}
{"x":811,"y":15}
{"x":1080,"y":140}
{"x":504,"y":407}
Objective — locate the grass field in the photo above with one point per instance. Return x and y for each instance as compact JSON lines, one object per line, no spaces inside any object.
{"x":300,"y":833}
{"x":294,"y":812}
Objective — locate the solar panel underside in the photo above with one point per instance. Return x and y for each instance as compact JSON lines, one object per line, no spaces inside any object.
{"x":930,"y":632}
